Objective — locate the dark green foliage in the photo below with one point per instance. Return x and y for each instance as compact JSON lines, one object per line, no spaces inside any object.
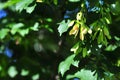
{"x":59,"y":39}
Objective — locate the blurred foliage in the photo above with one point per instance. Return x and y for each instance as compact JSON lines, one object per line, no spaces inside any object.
{"x":59,"y":40}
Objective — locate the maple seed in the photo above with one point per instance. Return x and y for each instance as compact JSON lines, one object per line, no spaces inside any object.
{"x":84,"y":31}
{"x":74,"y":30}
{"x":82,"y":36}
{"x":79,"y":16}
{"x":76,"y":27}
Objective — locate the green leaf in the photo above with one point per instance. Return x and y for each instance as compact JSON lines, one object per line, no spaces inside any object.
{"x":35,"y":27}
{"x":118,"y":63}
{"x":8,"y":3}
{"x":75,"y":47}
{"x":55,"y":2}
{"x":48,"y":20}
{"x":23,"y":4}
{"x":65,"y":65}
{"x":2,"y":6}
{"x":48,"y":28}
{"x":30,"y":9}
{"x":71,"y":23}
{"x":106,"y":32}
{"x":94,"y":36}
{"x":24,"y":72}
{"x":35,"y":76}
{"x":84,"y":52}
{"x":12,"y":72}
{"x":118,"y":6}
{"x":111,"y":47}
{"x":16,"y":27}
{"x":94,"y":26}
{"x":109,"y":76}
{"x":83,"y":75}
{"x":63,"y":27}
{"x":74,"y":0}
{"x":115,"y":8}
{"x":23,"y":32}
{"x":0,"y":68}
{"x":117,"y":38}
{"x":3,"y":33}
{"x":108,"y":18}
{"x":105,"y":41}
{"x":76,"y":63}
{"x":100,"y":37}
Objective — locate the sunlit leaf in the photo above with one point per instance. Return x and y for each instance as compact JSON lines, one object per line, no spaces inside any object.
{"x":0,"y":67}
{"x":117,"y":38}
{"x":83,"y":75}
{"x":111,"y":48}
{"x":108,"y":18}
{"x":55,"y":2}
{"x":48,"y":19}
{"x":16,"y":27}
{"x":63,"y":27}
{"x":35,"y":27}
{"x":30,"y":9}
{"x":65,"y":65}
{"x":23,"y":32}
{"x":76,"y":63}
{"x":23,"y":4}
{"x":118,"y":63}
{"x":74,"y":0}
{"x":3,"y":33}
{"x":24,"y":72}
{"x":35,"y":77}
{"x":71,"y":23}
{"x":12,"y":72}
{"x":8,"y":3}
